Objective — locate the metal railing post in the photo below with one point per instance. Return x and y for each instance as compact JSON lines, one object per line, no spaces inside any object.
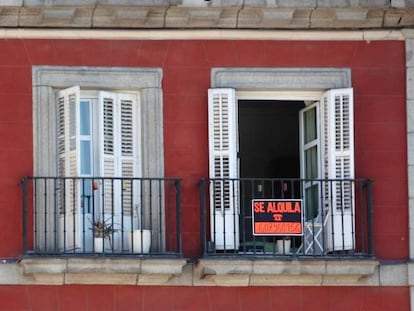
{"x":203,"y":237}
{"x":370,"y":220}
{"x":178,"y":206}
{"x":24,"y":202}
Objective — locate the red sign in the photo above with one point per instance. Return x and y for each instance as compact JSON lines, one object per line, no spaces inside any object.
{"x":277,"y":217}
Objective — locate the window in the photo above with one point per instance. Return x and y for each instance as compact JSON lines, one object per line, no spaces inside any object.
{"x":326,"y":152}
{"x":97,"y":122}
{"x":325,"y":140}
{"x":98,"y":135}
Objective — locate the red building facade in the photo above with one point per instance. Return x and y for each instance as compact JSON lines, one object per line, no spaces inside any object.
{"x":377,"y":70}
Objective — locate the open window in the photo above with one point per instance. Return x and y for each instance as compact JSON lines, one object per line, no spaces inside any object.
{"x":97,"y":136}
{"x":102,"y":129}
{"x":325,"y":157}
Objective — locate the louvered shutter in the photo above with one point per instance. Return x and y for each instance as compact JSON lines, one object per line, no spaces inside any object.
{"x":338,"y":164}
{"x":119,"y":148}
{"x":129,"y":143}
{"x":107,"y":148}
{"x":68,"y":148}
{"x":223,"y":168}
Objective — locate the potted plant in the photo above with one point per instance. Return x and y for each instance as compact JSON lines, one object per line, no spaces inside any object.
{"x":102,"y":233}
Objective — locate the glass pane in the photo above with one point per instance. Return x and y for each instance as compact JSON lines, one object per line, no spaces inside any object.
{"x":85,"y":160}
{"x":85,"y":127}
{"x":311,"y":202}
{"x":311,"y":163}
{"x":86,"y":195}
{"x":309,"y":121}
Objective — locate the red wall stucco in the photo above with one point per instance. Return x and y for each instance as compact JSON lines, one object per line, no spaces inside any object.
{"x":118,"y":298}
{"x":378,"y":78}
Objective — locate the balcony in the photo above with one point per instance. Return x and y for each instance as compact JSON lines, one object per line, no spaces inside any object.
{"x":336,"y":218}
{"x":101,"y":216}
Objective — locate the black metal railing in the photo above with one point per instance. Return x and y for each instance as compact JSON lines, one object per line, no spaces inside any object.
{"x":101,"y":215}
{"x":337,"y":217}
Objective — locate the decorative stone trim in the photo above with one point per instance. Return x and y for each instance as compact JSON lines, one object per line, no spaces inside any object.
{"x":281,"y":78}
{"x":213,"y":272}
{"x":9,"y":16}
{"x":206,"y":17}
{"x":128,"y":17}
{"x":206,"y":272}
{"x":102,"y":271}
{"x":55,"y":17}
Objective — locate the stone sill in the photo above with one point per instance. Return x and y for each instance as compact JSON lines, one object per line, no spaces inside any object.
{"x":59,"y":271}
{"x":285,"y":273}
{"x":206,"y":272}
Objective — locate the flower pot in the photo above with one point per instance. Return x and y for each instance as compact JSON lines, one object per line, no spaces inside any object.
{"x":283,"y":246}
{"x":101,"y":245}
{"x":140,"y":241}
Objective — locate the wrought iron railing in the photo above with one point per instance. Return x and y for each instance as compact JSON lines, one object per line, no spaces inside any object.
{"x":337,"y":217}
{"x":101,"y":215}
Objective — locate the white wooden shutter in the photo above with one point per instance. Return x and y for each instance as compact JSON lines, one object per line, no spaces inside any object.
{"x":68,"y":149}
{"x":129,"y":146}
{"x":107,"y":144}
{"x":338,"y":163}
{"x":223,"y":165}
{"x":119,"y":149}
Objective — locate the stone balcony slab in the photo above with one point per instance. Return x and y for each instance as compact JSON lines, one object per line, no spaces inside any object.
{"x":214,"y":16}
{"x":131,"y":271}
{"x":197,"y":17}
{"x":210,"y":272}
{"x":128,"y":17}
{"x":349,"y":18}
{"x":74,"y":17}
{"x":274,"y":18}
{"x":9,"y":16}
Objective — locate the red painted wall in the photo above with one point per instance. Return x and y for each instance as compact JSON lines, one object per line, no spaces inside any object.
{"x":117,"y":298}
{"x":378,"y":78}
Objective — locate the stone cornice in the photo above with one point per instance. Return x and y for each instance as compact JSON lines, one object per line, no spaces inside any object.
{"x":183,"y":17}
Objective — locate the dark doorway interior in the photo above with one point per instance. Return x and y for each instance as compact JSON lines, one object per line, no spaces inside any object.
{"x":269,"y":138}
{"x":268,"y":148}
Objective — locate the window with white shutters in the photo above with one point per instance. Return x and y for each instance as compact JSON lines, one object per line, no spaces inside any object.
{"x":97,"y":136}
{"x":326,"y":153}
{"x":139,"y":155}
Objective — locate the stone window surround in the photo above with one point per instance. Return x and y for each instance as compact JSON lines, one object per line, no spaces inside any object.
{"x":48,"y":79}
